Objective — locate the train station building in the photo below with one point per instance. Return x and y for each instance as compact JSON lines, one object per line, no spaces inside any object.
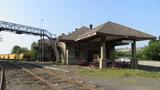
{"x":98,"y":44}
{"x":85,"y":44}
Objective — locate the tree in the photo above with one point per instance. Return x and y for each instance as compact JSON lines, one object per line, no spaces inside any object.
{"x":28,"y":54}
{"x":33,"y":52}
{"x":140,"y":54}
{"x":17,"y":49}
{"x":152,"y":51}
{"x":119,"y":54}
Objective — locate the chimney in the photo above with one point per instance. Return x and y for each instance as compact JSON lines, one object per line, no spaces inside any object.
{"x":76,"y":29}
{"x":63,"y":34}
{"x":91,"y":26}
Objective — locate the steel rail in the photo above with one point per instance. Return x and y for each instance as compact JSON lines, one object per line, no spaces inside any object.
{"x":19,"y":29}
{"x":2,"y":77}
{"x":84,"y":85}
{"x":52,"y":86}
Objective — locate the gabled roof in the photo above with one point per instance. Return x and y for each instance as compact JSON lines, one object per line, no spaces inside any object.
{"x":107,"y":29}
{"x":114,"y":29}
{"x":74,"y":35}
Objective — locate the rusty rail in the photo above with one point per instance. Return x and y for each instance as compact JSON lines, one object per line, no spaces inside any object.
{"x":86,"y":86}
{"x":2,"y":81}
{"x":52,"y":86}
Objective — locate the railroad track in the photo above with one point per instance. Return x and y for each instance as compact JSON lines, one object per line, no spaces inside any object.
{"x":2,"y":77}
{"x":18,"y":79}
{"x":54,"y":79}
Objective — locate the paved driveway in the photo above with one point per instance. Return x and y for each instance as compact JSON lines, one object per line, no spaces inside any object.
{"x":150,"y":63}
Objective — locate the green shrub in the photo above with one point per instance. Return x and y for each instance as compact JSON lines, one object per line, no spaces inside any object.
{"x":152,"y":51}
{"x":119,"y":54}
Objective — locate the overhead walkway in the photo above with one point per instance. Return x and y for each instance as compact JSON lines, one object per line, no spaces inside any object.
{"x":24,"y":29}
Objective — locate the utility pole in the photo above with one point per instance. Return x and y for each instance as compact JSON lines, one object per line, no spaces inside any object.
{"x":41,"y":42}
{"x":81,"y":21}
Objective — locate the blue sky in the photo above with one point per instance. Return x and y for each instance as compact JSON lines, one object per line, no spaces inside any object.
{"x":66,"y":15}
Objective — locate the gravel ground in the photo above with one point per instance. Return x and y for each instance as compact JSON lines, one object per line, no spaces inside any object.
{"x":125,"y":83}
{"x":63,"y":80}
{"x":17,"y":79}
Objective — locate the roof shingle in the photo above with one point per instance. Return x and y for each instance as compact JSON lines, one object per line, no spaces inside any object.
{"x":109,"y":28}
{"x":74,"y":35}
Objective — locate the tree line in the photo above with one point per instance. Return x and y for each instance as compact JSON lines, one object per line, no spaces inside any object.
{"x":150,"y":52}
{"x":31,"y":54}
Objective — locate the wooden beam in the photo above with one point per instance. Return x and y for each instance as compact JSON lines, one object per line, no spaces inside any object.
{"x":134,"y":61}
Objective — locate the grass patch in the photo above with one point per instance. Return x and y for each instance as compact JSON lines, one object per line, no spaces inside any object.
{"x":110,"y":73}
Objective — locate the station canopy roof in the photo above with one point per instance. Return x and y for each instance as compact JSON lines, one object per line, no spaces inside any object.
{"x":110,"y":30}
